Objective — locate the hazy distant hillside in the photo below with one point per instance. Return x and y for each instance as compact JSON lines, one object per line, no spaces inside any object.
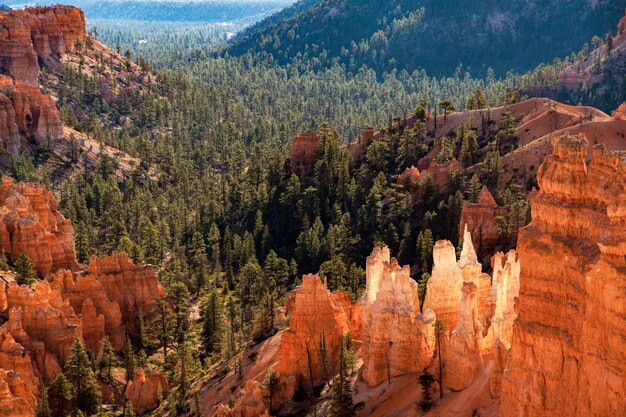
{"x":431,"y":34}
{"x":178,"y":11}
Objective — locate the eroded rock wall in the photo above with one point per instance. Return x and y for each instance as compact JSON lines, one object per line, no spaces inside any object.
{"x":38,"y":32}
{"x":567,"y":349}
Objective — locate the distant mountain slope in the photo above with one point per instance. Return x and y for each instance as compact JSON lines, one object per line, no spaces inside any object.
{"x":431,"y":34}
{"x":592,"y":77}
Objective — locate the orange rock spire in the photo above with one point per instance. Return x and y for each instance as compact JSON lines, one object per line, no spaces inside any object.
{"x":567,"y":348}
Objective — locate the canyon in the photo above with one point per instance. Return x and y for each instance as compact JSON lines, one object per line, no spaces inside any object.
{"x":533,"y":331}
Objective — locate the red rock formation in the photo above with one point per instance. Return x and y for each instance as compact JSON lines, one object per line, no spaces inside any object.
{"x":25,"y":35}
{"x":463,"y":358}
{"x":44,"y":32}
{"x":479,"y":218}
{"x":30,"y":223}
{"x":16,"y":370}
{"x":315,"y":318}
{"x":12,"y":404}
{"x":504,"y":291}
{"x":444,"y":288}
{"x":145,"y":392}
{"x":133,"y":287}
{"x":410,"y":178}
{"x":36,"y":113}
{"x":25,"y":110}
{"x":567,"y":350}
{"x":44,"y":323}
{"x":397,"y":339}
{"x":252,"y":404}
{"x":9,"y":132}
{"x":17,"y":55}
{"x":304,"y":153}
{"x":54,"y":30}
{"x":4,"y":303}
{"x":102,"y":315}
{"x":620,"y":113}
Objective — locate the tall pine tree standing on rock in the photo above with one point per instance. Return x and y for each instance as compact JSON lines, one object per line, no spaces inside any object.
{"x":342,"y":405}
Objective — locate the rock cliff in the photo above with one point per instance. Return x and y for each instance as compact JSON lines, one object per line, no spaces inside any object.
{"x":31,"y":223}
{"x":444,"y":288}
{"x":27,"y":111}
{"x":134,"y":288}
{"x":101,"y":316}
{"x":463,"y":355}
{"x":567,"y":356}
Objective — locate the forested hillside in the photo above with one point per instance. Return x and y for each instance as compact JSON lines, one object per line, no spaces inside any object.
{"x":430,"y":34}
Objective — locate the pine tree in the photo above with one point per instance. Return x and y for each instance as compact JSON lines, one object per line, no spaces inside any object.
{"x":161,"y":328}
{"x":59,"y":394}
{"x":78,"y":369}
{"x":84,"y":242}
{"x":424,"y":250}
{"x":473,"y":189}
{"x":469,"y":149}
{"x":426,"y":380}
{"x":43,"y":407}
{"x":439,"y":329}
{"x":211,"y":314}
{"x":341,"y":403}
{"x":447,"y":107}
{"x":271,"y":382}
{"x":106,"y":358}
{"x":179,"y":299}
{"x":25,"y":273}
{"x":129,"y":411}
{"x":130,"y":363}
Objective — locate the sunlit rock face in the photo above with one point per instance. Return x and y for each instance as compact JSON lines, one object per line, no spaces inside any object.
{"x":134,"y":288}
{"x":309,"y":347}
{"x":31,"y":223}
{"x":463,"y":354}
{"x":88,"y":298}
{"x":38,"y":32}
{"x":444,"y":288}
{"x":316,"y":321}
{"x":397,"y":339}
{"x":567,"y":348}
{"x":145,"y":391}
